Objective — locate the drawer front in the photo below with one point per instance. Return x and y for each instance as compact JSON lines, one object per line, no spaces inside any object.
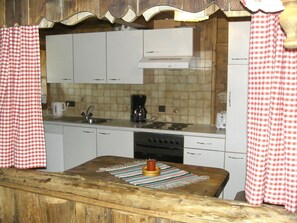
{"x":56,"y":129}
{"x":204,"y":143}
{"x":204,"y":158}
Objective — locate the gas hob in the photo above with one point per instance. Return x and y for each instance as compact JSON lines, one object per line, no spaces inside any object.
{"x":166,"y":125}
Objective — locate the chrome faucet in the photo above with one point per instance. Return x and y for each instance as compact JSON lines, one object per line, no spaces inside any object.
{"x":88,"y":114}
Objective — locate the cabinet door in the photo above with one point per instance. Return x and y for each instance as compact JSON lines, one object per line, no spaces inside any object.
{"x":168,"y":42}
{"x":235,"y":164}
{"x":54,"y":148}
{"x":238,"y":42}
{"x":236,"y":122}
{"x":114,"y":143}
{"x":89,"y":54}
{"x":59,"y":59}
{"x":124,"y":50}
{"x":79,"y":145}
{"x":204,"y":143}
{"x":199,"y":157}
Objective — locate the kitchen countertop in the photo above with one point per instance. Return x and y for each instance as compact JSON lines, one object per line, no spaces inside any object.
{"x":192,"y":130}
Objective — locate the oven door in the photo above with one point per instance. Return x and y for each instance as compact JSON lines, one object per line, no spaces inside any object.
{"x":156,"y":146}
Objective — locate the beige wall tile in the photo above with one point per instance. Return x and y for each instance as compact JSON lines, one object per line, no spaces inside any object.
{"x":186,"y":95}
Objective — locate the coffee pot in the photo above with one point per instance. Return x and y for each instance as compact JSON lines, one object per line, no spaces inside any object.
{"x":139,"y":114}
{"x":138,"y":111}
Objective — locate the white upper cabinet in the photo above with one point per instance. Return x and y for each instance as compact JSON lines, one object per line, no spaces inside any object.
{"x":59,"y":58}
{"x":168,"y":42}
{"x":89,"y":54}
{"x":124,"y":50}
{"x":238,"y":42}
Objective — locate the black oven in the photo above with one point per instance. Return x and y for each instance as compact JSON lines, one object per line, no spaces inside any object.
{"x":162,"y":147}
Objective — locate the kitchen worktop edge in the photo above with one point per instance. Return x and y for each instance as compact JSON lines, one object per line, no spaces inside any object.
{"x":123,"y":124}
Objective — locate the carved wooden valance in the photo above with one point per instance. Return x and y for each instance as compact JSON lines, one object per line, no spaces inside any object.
{"x":47,"y":12}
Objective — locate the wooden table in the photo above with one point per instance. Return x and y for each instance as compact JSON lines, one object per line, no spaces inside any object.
{"x":212,"y":187}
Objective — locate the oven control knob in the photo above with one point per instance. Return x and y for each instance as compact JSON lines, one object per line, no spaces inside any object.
{"x":150,"y":139}
{"x":161,"y":140}
{"x":177,"y":142}
{"x":166,"y":141}
{"x":156,"y":140}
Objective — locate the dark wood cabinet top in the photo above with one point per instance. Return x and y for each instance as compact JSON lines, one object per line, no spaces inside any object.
{"x":211,"y":187}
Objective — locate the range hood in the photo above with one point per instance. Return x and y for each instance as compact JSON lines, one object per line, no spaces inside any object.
{"x":178,"y":62}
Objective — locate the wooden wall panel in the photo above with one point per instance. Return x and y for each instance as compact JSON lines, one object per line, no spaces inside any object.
{"x":92,"y":6}
{"x":35,"y":196}
{"x":222,"y":61}
{"x":119,"y":8}
{"x":30,"y":12}
{"x":2,"y":12}
{"x":186,"y":5}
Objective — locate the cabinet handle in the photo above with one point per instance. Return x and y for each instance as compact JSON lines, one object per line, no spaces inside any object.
{"x":198,"y":154}
{"x":66,"y":79}
{"x":114,"y":79}
{"x":104,"y":133}
{"x":204,"y":143}
{"x":235,"y":158}
{"x":229,"y":101}
{"x":152,"y":51}
{"x":239,"y":58}
{"x":85,"y":131}
{"x":98,"y":79}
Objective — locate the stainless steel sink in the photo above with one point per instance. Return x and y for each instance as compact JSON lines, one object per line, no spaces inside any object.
{"x":95,"y":120}
{"x":78,"y":119}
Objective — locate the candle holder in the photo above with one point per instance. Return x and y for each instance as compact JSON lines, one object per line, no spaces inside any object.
{"x":151,"y":173}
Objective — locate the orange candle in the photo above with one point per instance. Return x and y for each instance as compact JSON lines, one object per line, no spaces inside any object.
{"x":151,"y":165}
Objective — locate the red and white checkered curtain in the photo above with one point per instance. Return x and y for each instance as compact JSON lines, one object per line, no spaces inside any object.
{"x":22,"y":142}
{"x":272,"y":116}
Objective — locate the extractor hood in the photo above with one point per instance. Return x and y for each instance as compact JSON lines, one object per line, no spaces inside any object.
{"x":178,"y":62}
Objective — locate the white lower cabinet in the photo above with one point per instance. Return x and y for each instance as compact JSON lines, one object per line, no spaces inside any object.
{"x":204,"y":151}
{"x":235,"y":164}
{"x":199,"y":157}
{"x":54,"y":148}
{"x":114,"y":143}
{"x":79,"y":145}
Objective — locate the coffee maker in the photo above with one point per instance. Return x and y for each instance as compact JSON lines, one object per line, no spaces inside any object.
{"x":138,"y":111}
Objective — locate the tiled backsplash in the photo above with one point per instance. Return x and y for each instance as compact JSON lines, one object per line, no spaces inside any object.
{"x":186,"y":95}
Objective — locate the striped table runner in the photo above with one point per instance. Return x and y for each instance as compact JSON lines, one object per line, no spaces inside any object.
{"x":170,"y":177}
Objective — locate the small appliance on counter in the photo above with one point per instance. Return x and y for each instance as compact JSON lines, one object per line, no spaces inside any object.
{"x":221,"y":120}
{"x":138,"y":111}
{"x":58,"y":109}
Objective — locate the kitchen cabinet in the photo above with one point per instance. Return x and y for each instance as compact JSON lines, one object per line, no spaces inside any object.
{"x":54,"y":148}
{"x":79,"y":145}
{"x":59,"y":59}
{"x":89,"y":55}
{"x":236,"y":121}
{"x":238,"y":42}
{"x":200,"y":157}
{"x":115,"y":143}
{"x":168,"y":42}
{"x":124,"y":50}
{"x":237,"y":98}
{"x":235,"y":164}
{"x":204,"y":151}
{"x":103,"y":57}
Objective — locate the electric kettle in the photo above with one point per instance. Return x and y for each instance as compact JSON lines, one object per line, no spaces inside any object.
{"x":58,"y":109}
